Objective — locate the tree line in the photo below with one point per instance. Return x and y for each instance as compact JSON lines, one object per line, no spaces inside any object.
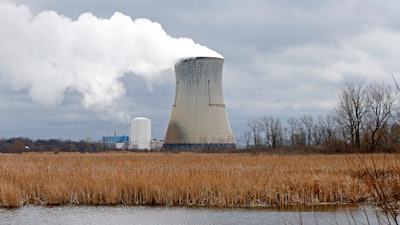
{"x":365,"y":119}
{"x":19,"y":145}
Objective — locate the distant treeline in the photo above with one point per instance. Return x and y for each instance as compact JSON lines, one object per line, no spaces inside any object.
{"x":365,"y":119}
{"x":19,"y":145}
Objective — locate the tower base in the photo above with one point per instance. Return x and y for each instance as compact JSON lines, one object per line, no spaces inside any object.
{"x":199,"y":147}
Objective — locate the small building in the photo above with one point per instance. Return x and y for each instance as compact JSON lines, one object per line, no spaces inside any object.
{"x":156,"y":144}
{"x":118,"y":142}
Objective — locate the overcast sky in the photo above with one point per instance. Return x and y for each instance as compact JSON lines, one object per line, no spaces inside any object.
{"x":282,"y":58}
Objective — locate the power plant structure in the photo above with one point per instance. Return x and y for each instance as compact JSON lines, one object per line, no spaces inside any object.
{"x":199,"y":120}
{"x":140,"y":133}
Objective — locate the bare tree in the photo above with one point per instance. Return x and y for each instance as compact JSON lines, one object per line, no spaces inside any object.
{"x":17,"y":146}
{"x":246,"y":138}
{"x":256,"y":129}
{"x":328,"y":128}
{"x":276,"y":133}
{"x":273,"y":131}
{"x":307,"y":121}
{"x":317,"y":131}
{"x":351,"y":112}
{"x":266,"y":123}
{"x":293,"y":123}
{"x":297,"y":132}
{"x":380,"y":103}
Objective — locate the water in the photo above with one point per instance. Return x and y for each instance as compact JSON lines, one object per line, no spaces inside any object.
{"x":120,"y":215}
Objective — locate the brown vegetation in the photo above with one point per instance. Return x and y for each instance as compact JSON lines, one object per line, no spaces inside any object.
{"x":186,"y":179}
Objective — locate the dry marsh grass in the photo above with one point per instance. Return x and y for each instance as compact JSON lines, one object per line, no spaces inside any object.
{"x":186,"y":179}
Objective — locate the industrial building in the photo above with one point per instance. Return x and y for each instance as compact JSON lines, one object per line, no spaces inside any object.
{"x":139,"y":137}
{"x":140,"y":133}
{"x":117,"y":142}
{"x":199,"y":120}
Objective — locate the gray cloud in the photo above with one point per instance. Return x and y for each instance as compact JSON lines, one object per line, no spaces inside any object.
{"x":282,"y":58}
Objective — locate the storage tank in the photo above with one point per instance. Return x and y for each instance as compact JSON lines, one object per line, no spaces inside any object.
{"x":199,"y":120}
{"x":140,"y":133}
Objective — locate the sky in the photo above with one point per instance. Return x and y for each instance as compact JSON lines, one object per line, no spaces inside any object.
{"x":80,"y":69}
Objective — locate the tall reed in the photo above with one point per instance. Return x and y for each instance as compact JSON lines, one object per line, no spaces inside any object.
{"x":185,"y":179}
{"x":381,"y":175}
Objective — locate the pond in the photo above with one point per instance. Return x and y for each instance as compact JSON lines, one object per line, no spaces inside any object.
{"x":113,"y":215}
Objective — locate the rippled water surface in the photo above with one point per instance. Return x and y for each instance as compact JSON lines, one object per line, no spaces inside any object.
{"x":175,"y":215}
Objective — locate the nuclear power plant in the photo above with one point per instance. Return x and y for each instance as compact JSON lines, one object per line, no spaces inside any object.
{"x":199,"y":120}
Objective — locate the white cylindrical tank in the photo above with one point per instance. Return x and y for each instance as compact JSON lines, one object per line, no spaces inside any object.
{"x":199,"y":119}
{"x":140,"y":133}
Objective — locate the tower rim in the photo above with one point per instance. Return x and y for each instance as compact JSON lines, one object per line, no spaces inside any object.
{"x":181,"y":60}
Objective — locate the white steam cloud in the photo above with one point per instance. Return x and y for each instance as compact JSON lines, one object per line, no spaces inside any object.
{"x":50,"y":54}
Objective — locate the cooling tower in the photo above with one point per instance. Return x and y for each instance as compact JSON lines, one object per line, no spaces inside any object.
{"x":199,"y":120}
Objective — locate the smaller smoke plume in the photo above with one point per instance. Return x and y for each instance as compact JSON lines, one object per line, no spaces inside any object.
{"x":49,"y":54}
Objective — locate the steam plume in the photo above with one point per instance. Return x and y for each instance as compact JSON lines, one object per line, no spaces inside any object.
{"x":49,"y":54}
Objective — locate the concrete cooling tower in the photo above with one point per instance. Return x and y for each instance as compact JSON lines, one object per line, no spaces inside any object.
{"x":199,"y":120}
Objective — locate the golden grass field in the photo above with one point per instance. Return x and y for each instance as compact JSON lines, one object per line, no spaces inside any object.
{"x":186,"y":179}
